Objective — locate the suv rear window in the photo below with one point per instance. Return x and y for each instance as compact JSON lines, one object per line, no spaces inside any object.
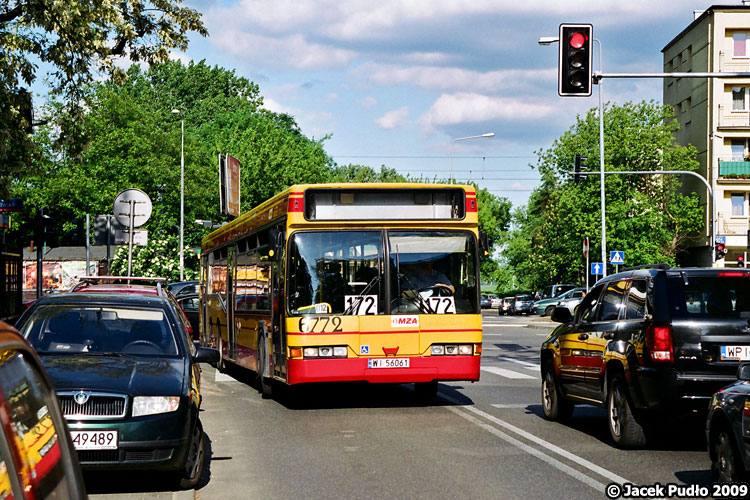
{"x":710,"y":297}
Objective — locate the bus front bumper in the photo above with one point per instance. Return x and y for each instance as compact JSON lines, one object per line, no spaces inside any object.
{"x":420,"y":369}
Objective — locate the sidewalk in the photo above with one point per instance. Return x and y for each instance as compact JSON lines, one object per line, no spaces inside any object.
{"x":540,"y":322}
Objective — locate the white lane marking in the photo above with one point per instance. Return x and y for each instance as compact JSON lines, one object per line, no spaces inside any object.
{"x":506,"y":373}
{"x":492,"y":335}
{"x":517,"y":405}
{"x":598,"y":486}
{"x":223,"y":377}
{"x":525,"y":364}
{"x":462,"y":411}
{"x":505,"y":325}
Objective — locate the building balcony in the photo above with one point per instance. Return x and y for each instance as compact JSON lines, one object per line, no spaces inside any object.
{"x":731,"y":226}
{"x":733,"y":169}
{"x":729,"y":64}
{"x":729,"y":118}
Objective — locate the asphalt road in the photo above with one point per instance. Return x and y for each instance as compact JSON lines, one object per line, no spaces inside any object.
{"x":481,"y":440}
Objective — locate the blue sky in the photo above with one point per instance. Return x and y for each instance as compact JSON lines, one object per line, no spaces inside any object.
{"x":394,"y":82}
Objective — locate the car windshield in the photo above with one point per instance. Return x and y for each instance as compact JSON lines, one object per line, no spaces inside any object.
{"x":523,"y":298}
{"x":68,"y":328}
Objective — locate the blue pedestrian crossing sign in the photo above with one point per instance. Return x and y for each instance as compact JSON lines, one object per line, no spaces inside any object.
{"x":617,"y":257}
{"x":597,"y":268}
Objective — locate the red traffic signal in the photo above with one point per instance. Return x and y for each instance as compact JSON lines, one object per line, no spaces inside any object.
{"x":574,"y":64}
{"x":721,"y":251}
{"x":740,"y":261}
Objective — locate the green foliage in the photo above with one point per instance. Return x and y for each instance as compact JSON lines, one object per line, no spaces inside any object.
{"x":362,"y":173}
{"x":77,"y":39}
{"x":156,"y":259}
{"x":646,"y":215}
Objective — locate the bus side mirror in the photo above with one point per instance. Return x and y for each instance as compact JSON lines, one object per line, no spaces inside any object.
{"x":276,"y":243}
{"x":484,"y":245}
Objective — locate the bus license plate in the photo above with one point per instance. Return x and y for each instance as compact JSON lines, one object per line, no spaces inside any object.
{"x":735,"y":352}
{"x":388,"y":363}
{"x":94,"y":440}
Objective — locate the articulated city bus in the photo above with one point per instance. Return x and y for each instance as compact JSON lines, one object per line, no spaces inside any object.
{"x":348,"y":282}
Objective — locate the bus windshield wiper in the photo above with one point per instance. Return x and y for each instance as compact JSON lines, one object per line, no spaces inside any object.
{"x":422,"y":305}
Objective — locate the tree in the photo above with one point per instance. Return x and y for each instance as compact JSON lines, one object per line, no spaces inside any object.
{"x":75,"y":39}
{"x":648,"y":217}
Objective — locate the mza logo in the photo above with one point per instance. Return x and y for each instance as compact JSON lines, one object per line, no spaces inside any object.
{"x":404,"y":321}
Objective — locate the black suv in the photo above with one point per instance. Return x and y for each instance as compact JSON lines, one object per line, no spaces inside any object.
{"x":648,"y":344}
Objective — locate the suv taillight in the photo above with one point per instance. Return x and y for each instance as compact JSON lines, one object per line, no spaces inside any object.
{"x":659,"y":343}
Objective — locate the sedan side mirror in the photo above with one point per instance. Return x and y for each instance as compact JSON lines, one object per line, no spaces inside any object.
{"x":561,"y":314}
{"x":207,"y":355}
{"x":743,"y":372}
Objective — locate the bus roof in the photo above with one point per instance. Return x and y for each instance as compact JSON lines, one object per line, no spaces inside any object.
{"x":283,"y":203}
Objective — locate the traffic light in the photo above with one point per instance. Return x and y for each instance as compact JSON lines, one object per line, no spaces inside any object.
{"x":578,"y":165}
{"x":740,"y":261}
{"x":574,"y":63}
{"x":721,"y":251}
{"x":43,"y":230}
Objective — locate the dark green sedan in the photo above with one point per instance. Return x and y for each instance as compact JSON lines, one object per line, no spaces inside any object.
{"x":127,"y":376}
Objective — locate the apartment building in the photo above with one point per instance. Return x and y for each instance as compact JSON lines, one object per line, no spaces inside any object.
{"x":714,"y":116}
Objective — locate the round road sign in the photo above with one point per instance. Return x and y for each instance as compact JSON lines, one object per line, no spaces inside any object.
{"x":141,"y":207}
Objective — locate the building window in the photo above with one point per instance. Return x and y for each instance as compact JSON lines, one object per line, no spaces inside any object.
{"x":738,"y":149}
{"x":739,"y":45}
{"x":738,"y":98}
{"x":738,"y":204}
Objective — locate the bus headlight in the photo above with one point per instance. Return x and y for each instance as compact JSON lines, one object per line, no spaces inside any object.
{"x":438,"y":350}
{"x":466,"y":349}
{"x":326,"y":351}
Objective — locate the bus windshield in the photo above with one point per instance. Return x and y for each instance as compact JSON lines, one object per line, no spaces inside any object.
{"x":342,"y":272}
{"x":336,"y":273}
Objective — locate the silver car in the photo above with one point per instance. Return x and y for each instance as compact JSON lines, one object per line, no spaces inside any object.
{"x":573,"y":299}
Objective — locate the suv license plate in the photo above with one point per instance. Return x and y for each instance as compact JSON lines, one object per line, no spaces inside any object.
{"x":94,"y":440}
{"x":735,"y":352}
{"x":388,"y":363}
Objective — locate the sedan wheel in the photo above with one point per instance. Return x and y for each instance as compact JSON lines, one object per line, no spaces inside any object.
{"x":725,"y":465}
{"x":190,"y":473}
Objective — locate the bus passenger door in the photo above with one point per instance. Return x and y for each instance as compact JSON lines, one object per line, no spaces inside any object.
{"x":231,"y":327}
{"x":278,"y":339}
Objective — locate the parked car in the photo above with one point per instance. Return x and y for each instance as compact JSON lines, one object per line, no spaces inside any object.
{"x":180,"y":288}
{"x":485,"y":302}
{"x":495,"y":301}
{"x":506,"y":307}
{"x":573,"y":300}
{"x":726,"y":426}
{"x":544,"y":307}
{"x":191,"y":306}
{"x":557,"y":290}
{"x":647,"y":345}
{"x":126,"y":372}
{"x":522,"y":304}
{"x":37,"y":458}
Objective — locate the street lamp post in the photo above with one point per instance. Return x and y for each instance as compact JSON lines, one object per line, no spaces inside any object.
{"x":182,"y":193}
{"x":487,"y":134}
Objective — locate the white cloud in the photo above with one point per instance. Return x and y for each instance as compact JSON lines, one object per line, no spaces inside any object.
{"x":454,"y":109}
{"x":444,"y":79}
{"x":393,"y":119}
{"x":293,"y":51}
{"x":277,"y":107}
{"x":368,"y":102}
{"x":332,"y":97}
{"x":180,"y":56}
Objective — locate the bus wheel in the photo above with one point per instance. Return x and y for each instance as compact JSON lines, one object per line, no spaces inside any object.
{"x":426,"y":390}
{"x":266,"y":389}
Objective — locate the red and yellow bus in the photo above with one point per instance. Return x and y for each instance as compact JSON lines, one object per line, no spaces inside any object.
{"x":331,"y":282}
